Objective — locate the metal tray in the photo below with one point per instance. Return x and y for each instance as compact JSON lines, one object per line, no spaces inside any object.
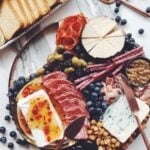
{"x":36,"y":24}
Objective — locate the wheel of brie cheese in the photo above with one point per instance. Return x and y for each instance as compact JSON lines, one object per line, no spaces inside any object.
{"x":102,"y":38}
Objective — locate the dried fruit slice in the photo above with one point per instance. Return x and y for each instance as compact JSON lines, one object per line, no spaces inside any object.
{"x":102,"y":38}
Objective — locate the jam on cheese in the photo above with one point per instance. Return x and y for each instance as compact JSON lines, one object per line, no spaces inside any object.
{"x":42,"y":118}
{"x":39,"y":116}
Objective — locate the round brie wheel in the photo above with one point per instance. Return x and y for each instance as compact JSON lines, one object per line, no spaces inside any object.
{"x":102,"y":38}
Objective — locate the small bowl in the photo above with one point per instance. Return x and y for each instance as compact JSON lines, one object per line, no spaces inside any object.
{"x":128,"y":65}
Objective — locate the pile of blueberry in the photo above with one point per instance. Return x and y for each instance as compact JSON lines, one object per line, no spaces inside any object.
{"x":95,"y":102}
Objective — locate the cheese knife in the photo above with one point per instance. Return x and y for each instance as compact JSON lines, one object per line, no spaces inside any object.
{"x":72,"y":130}
{"x":133,"y":106}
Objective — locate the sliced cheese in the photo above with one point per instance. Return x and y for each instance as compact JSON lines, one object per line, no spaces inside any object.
{"x":119,"y":120}
{"x":102,"y":38}
{"x":17,"y":6}
{"x":39,"y":135}
{"x":2,"y":38}
{"x":28,"y":11}
{"x":51,"y":3}
{"x":43,"y":6}
{"x":9,"y":23}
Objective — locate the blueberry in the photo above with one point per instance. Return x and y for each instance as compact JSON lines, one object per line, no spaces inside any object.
{"x":92,"y":110}
{"x":21,"y":78}
{"x":91,"y":86}
{"x":89,"y":103}
{"x":118,"y":3}
{"x":99,"y":110}
{"x":79,"y":147}
{"x":11,"y":90}
{"x":67,"y":55}
{"x":78,"y":49}
{"x":46,"y":67}
{"x":97,"y":89}
{"x":104,"y":106}
{"x":3,"y":139}
{"x":13,"y":134}
{"x":132,"y":40}
{"x":2,"y":130}
{"x":98,"y":104}
{"x":118,"y":19}
{"x":7,"y":118}
{"x":98,"y":84}
{"x":15,"y":93}
{"x":141,"y":31}
{"x":148,"y":10}
{"x":10,"y":145}
{"x":94,"y":95}
{"x":129,"y":35}
{"x":86,"y":92}
{"x":100,"y":98}
{"x":24,"y":142}
{"x":32,"y":76}
{"x":116,"y":10}
{"x":123,"y":22}
{"x":10,"y":95}
{"x":19,"y":141}
{"x":8,"y":106}
{"x":79,"y":72}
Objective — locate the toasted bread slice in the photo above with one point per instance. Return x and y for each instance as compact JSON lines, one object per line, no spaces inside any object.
{"x":21,"y":15}
{"x":43,"y":6}
{"x":28,"y":11}
{"x":2,"y":38}
{"x":51,"y":3}
{"x":9,"y":23}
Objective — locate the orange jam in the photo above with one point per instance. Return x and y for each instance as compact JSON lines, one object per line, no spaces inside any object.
{"x":40,"y":116}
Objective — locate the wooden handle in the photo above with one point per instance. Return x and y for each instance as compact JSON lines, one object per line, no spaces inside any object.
{"x":137,"y":10}
{"x":143,"y":133}
{"x":58,"y":147}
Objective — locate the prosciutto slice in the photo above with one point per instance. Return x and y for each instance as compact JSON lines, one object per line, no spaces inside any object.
{"x":68,"y":96}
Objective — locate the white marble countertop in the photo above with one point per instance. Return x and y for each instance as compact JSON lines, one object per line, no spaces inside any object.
{"x":91,"y":9}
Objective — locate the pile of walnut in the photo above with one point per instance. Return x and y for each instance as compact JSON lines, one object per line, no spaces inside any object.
{"x":103,"y":139}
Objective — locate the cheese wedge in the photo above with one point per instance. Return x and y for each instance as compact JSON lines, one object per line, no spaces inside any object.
{"x":20,"y":13}
{"x":2,"y":38}
{"x":43,"y":6}
{"x":119,"y":120}
{"x":102,"y":38}
{"x":36,"y":118}
{"x":98,"y":27}
{"x":9,"y":23}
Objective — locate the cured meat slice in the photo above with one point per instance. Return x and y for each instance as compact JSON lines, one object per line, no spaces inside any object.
{"x":73,"y":102}
{"x":68,"y":95}
{"x":70,"y":30}
{"x":55,"y":75}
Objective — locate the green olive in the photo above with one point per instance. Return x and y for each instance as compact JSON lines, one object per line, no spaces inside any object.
{"x":60,"y":49}
{"x":40,"y":71}
{"x":50,"y":57}
{"x":58,"y":57}
{"x":69,"y":69}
